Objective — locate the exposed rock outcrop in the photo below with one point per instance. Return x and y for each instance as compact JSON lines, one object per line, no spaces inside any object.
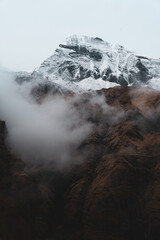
{"x":81,"y":57}
{"x":82,"y":63}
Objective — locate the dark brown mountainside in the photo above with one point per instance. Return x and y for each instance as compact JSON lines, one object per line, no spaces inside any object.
{"x":113,"y":195}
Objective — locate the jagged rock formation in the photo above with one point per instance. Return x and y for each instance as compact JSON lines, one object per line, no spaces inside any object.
{"x":85,"y":63}
{"x":113,"y":194}
{"x":84,"y":58}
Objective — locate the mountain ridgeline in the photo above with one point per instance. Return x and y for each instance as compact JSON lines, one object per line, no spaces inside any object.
{"x":84,"y":63}
{"x":80,"y":146}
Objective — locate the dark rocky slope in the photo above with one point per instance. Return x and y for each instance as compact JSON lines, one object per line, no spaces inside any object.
{"x":114,"y":194}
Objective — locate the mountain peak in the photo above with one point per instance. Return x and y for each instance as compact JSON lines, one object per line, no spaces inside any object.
{"x":81,"y":62}
{"x":75,"y":39}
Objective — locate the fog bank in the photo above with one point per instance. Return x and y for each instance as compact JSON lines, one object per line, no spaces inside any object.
{"x":43,"y":133}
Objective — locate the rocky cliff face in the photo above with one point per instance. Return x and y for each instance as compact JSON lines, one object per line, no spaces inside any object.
{"x":113,"y":194}
{"x":83,"y":63}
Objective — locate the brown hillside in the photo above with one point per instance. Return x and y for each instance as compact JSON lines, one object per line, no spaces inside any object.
{"x":113,"y":195}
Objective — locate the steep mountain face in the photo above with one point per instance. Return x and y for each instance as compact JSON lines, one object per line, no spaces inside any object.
{"x":112,"y":191}
{"x":113,"y":194}
{"x":83,"y":63}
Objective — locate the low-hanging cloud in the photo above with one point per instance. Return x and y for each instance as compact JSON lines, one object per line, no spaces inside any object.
{"x":40,"y":133}
{"x":48,"y":132}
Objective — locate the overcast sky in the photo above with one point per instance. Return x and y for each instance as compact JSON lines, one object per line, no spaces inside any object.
{"x":30,"y":30}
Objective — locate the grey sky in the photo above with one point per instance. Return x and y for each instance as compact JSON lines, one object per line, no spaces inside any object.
{"x":30,"y":30}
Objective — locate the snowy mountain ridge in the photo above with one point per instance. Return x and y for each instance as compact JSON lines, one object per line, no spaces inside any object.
{"x":82,"y":63}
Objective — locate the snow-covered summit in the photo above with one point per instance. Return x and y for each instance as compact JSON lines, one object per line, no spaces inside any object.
{"x":81,"y":60}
